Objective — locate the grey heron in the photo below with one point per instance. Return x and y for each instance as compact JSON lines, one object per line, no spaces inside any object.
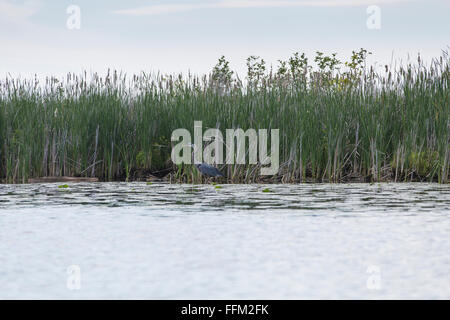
{"x":206,"y":169}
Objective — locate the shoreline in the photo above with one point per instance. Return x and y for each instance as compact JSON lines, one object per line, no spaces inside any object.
{"x":222,"y":181}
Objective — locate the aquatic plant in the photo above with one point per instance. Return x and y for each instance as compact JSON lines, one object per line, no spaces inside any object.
{"x":339,"y":121}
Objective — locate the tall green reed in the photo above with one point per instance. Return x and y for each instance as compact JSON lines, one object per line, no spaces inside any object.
{"x":338,"y":121}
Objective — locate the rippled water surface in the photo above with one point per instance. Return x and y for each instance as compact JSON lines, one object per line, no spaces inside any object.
{"x":133,"y":240}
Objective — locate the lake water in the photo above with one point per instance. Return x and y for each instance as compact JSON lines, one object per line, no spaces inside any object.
{"x":162,"y":241}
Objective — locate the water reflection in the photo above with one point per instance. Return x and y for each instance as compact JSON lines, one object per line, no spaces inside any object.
{"x":133,"y":240}
{"x":348,"y":197}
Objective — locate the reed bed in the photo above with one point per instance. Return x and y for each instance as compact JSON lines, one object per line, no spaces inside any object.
{"x":338,"y":122}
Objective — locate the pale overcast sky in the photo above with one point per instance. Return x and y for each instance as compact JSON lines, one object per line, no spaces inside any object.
{"x":173,"y":36}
